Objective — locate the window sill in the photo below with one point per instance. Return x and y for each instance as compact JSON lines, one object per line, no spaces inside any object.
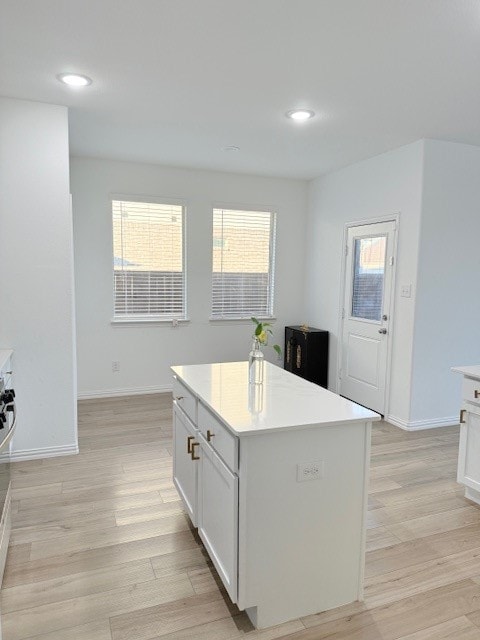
{"x":243,"y":320}
{"x":135,"y":322}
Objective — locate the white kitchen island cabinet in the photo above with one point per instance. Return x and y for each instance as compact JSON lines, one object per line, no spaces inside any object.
{"x":275,"y":478}
{"x":468,"y":472}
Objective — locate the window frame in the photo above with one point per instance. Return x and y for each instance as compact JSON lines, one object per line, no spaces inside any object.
{"x":139,"y":319}
{"x":271,"y":262}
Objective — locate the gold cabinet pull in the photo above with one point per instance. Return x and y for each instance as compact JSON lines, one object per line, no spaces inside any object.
{"x":289,"y":351}
{"x":299,"y":357}
{"x":189,"y":443}
{"x":192,"y":453}
{"x":210,"y":435}
{"x":462,"y":416}
{"x":476,"y":393}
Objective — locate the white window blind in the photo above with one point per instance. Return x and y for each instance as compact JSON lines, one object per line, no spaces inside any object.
{"x":243,"y":263}
{"x":368,"y":277}
{"x":148,"y":260}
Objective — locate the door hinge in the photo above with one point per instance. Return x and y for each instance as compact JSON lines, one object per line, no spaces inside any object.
{"x":346,"y":249}
{"x":339,"y":374}
{"x":391,"y":261}
{"x":343,"y":314}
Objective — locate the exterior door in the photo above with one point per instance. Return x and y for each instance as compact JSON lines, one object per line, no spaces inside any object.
{"x":366,"y":312}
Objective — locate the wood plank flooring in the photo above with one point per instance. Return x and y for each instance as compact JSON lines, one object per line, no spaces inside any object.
{"x":102,"y":550}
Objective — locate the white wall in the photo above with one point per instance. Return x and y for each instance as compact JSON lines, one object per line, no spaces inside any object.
{"x":36,"y":301}
{"x":383,"y":185}
{"x":447,"y":325}
{"x":145,"y":353}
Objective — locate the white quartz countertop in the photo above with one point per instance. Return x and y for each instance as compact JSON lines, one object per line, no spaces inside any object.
{"x":4,"y":356}
{"x":283,"y":401}
{"x":472,"y":371}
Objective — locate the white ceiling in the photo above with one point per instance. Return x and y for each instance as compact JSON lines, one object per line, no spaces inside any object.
{"x":176,"y":81}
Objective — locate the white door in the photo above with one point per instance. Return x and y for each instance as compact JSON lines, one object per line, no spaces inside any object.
{"x":218,"y":516}
{"x":366,"y":312}
{"x":184,"y":465}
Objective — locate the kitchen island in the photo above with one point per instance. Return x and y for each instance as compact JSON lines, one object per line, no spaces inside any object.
{"x":7,"y":427}
{"x":275,"y":478}
{"x":468,"y":471}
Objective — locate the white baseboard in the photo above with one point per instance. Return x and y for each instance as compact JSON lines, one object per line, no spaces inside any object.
{"x":419,"y":425}
{"x":114,"y":393}
{"x":44,"y":452}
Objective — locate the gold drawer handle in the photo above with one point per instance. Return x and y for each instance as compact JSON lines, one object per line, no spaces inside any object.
{"x":210,"y":435}
{"x":192,"y":453}
{"x":462,"y":416}
{"x":476,"y":393}
{"x":189,"y":443}
{"x":299,"y":357}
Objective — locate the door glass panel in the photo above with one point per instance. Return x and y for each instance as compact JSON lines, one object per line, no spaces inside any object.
{"x":368,"y":277}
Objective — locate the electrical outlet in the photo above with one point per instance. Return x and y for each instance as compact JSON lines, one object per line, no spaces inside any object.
{"x":310,"y":470}
{"x":115,"y":366}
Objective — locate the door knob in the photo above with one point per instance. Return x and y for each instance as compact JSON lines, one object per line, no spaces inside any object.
{"x":384,"y":331}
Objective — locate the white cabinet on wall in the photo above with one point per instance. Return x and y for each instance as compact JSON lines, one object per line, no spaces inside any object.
{"x":275,"y":479}
{"x":468,"y":472}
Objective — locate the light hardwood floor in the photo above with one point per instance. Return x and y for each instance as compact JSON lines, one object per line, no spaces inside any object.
{"x":101,"y":549}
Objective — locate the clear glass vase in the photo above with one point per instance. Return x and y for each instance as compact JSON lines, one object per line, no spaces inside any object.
{"x":255,"y":364}
{"x":255,"y":399}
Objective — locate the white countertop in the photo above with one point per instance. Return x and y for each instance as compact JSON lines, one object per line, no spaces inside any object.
{"x":4,"y":356}
{"x":472,"y":371}
{"x":283,"y":401}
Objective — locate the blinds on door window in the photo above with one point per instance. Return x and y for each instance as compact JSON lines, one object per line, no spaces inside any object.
{"x":148,"y":260}
{"x":243,"y":263}
{"x":368,"y":277}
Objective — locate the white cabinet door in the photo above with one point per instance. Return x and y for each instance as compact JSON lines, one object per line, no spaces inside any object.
{"x":184,"y":468}
{"x":469,"y":449}
{"x":218,"y":516}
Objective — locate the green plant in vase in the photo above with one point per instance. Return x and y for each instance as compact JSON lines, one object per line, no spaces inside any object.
{"x":255,"y":358}
{"x":261,"y":334}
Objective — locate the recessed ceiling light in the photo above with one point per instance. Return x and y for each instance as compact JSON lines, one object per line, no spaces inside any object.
{"x":300,"y":115}
{"x":74,"y":79}
{"x":231,"y":147}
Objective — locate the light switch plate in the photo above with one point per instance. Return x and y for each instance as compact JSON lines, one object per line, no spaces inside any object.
{"x":406,"y":291}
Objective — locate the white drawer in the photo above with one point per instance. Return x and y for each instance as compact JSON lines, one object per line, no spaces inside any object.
{"x":217,"y":434}
{"x":471,"y":390}
{"x":185,"y":399}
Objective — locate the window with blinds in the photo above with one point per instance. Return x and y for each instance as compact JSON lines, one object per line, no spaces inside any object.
{"x":148,"y":260}
{"x":368,"y":277}
{"x":243,"y":263}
